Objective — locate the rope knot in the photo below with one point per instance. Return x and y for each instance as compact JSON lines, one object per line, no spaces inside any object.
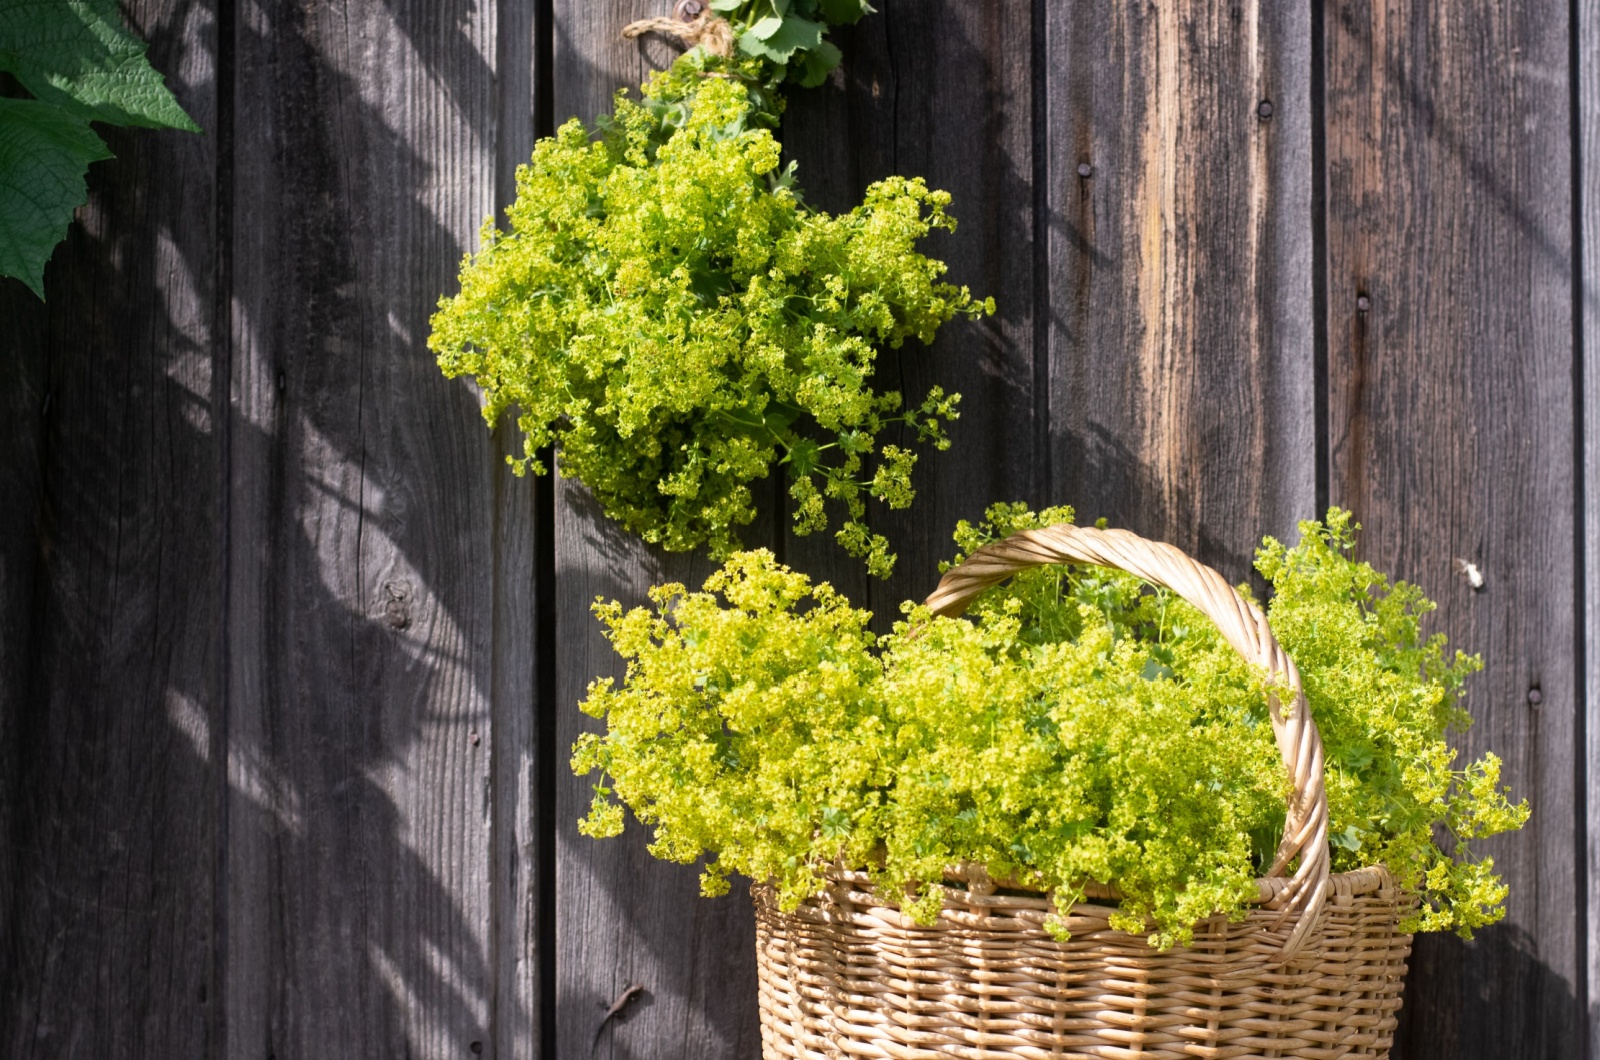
{"x":700,"y":28}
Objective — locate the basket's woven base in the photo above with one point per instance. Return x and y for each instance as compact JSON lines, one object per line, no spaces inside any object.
{"x":845,"y":976}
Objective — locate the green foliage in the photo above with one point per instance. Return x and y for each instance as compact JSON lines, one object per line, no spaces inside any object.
{"x":80,"y":63}
{"x":665,"y":309}
{"x":1384,"y":698}
{"x":43,"y":156}
{"x":787,"y":35}
{"x":1075,"y":726}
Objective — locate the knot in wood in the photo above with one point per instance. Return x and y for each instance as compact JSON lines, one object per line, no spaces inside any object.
{"x":397,"y":604}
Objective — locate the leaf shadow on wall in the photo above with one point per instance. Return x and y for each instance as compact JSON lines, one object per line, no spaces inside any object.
{"x":309,"y":847}
{"x":623,"y":916}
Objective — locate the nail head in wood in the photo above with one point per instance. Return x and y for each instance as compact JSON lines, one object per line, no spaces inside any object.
{"x":1264,"y":109}
{"x":1363,"y":303}
{"x":1085,"y":169}
{"x":1535,"y":697}
{"x":687,"y":10}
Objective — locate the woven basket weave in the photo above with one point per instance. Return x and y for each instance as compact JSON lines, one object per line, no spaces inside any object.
{"x":1315,"y":970}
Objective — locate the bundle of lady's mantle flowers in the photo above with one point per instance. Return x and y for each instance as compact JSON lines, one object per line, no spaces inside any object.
{"x":665,"y":310}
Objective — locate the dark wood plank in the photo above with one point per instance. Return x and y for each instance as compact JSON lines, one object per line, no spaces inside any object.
{"x":1179,"y":304}
{"x":622,"y":917}
{"x":942,"y":90}
{"x":1588,"y":299}
{"x":378,"y":597}
{"x":1451,"y":409}
{"x":109,"y":586}
{"x":24,"y":360}
{"x":521,"y":535}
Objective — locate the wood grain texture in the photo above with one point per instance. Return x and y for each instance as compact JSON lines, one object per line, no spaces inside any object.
{"x":375,"y":555}
{"x":109,"y":585}
{"x":1177,"y":198}
{"x":1587,"y":294}
{"x":942,"y":90}
{"x":521,"y":583}
{"x":1451,"y":412}
{"x":623,"y":917}
{"x":516,"y":761}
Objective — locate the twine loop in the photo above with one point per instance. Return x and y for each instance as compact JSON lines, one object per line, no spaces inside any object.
{"x":704,"y":29}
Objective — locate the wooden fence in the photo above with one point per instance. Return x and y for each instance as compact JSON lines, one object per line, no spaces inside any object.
{"x":288,"y":659}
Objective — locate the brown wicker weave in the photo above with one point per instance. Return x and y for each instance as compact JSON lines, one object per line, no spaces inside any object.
{"x":1314,"y":971}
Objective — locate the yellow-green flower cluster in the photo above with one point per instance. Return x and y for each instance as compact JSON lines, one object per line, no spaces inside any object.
{"x":1075,"y":726}
{"x":1384,"y":697}
{"x":665,"y":310}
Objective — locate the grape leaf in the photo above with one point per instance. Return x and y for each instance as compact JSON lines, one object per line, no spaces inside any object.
{"x":76,"y":55}
{"x":44,"y":153}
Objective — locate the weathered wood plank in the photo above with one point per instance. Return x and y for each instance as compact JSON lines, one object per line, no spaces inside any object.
{"x":378,"y":597}
{"x":1178,"y":215}
{"x":24,"y":360}
{"x":622,"y":917}
{"x":1587,"y":293}
{"x":1451,"y":409}
{"x":893,"y":108}
{"x":109,"y":566}
{"x":521,"y":585}
{"x":522,"y":534}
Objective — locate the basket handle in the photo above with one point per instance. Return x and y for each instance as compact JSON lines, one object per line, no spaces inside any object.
{"x":1242,"y":625}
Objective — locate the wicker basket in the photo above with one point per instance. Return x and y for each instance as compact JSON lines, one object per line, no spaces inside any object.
{"x":1315,"y":970}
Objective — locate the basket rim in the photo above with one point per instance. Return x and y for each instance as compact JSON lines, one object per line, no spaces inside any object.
{"x":1270,"y":890}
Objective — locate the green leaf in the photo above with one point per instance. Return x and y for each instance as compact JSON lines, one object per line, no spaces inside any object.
{"x":709,"y":285}
{"x":723,"y":7}
{"x":780,"y":415}
{"x":795,"y":34}
{"x":844,"y":12}
{"x":780,"y":42}
{"x":817,"y":64}
{"x":765,"y":28}
{"x":77,"y":55}
{"x":1349,"y":839}
{"x":43,"y":155}
{"x":805,"y":456}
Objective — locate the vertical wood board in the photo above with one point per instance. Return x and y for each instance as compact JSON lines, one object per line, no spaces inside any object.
{"x":368,"y":549}
{"x":517,"y":950}
{"x":622,"y":916}
{"x":943,"y":91}
{"x":1450,"y":409}
{"x":1587,"y":293}
{"x":111,"y":593}
{"x":1177,"y":197}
